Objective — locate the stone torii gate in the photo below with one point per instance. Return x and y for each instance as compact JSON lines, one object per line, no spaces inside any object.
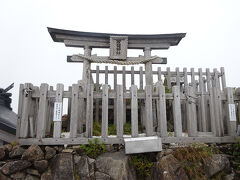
{"x":118,"y":45}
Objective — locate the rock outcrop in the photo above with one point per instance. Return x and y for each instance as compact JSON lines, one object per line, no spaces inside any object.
{"x":117,"y":165}
{"x":71,"y":163}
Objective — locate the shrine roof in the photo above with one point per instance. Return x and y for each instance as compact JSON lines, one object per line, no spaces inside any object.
{"x":136,"y":41}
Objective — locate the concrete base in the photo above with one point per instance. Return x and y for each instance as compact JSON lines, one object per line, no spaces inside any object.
{"x":142,"y":144}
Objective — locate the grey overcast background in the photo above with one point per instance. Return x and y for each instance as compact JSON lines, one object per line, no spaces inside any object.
{"x":28,"y":54}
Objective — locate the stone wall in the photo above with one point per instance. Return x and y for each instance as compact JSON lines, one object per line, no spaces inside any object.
{"x":69,"y":163}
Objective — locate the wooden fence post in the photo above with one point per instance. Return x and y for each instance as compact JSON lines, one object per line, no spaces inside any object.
{"x":97,"y":100}
{"x":191,"y":112}
{"x":134,"y":111}
{"x":169,"y":85}
{"x":119,"y":101}
{"x":82,"y":108}
{"x":124,"y":90}
{"x":104,"y":111}
{"x":115,"y":100}
{"x":161,"y":111}
{"x":42,"y":112}
{"x":59,"y":99}
{"x":74,"y":111}
{"x":231,"y":113}
{"x":218,"y":111}
{"x":50,"y":112}
{"x":223,"y":78}
{"x":89,"y":111}
{"x":20,"y":107}
{"x":202,"y":102}
{"x":211,"y":102}
{"x":148,"y":110}
{"x":177,"y":118}
{"x":27,"y":98}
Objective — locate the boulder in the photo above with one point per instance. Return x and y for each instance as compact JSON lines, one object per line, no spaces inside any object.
{"x":47,"y":175}
{"x":101,"y":176}
{"x":41,"y":165}
{"x":215,"y":164}
{"x":50,"y":152}
{"x":14,"y":166}
{"x":2,"y":163}
{"x":33,"y":153}
{"x":62,"y":167}
{"x":168,"y":168}
{"x":2,"y":152}
{"x":30,"y":177}
{"x":33,"y":172}
{"x":76,"y":158}
{"x":91,"y":166}
{"x":117,"y":165}
{"x":82,"y":168}
{"x":18,"y":175}
{"x":67,"y":150}
{"x":8,"y":147}
{"x":16,"y":152}
{"x":3,"y":177}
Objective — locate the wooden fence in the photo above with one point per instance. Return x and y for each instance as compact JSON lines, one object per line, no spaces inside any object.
{"x":179,"y":106}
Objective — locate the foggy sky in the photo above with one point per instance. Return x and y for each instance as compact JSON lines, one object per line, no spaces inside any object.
{"x":28,"y":53}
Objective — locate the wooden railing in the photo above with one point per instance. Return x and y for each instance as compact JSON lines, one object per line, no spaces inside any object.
{"x":198,"y":106}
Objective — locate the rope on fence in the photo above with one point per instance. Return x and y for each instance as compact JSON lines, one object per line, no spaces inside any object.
{"x":111,"y":61}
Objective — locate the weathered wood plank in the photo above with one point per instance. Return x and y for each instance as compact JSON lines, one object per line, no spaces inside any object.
{"x":132,"y":75}
{"x":134,"y":111}
{"x":211,"y":102}
{"x":141,"y":78}
{"x":161,"y":111}
{"x":169,"y":78}
{"x":82,"y":110}
{"x":223,"y":78}
{"x":193,"y":81}
{"x":106,"y":74}
{"x":115,"y":89}
{"x":42,"y":112}
{"x":32,"y":131}
{"x":191,"y":113}
{"x":148,"y":110}
{"x":217,"y":111}
{"x":159,"y":74}
{"x":177,"y":117}
{"x":148,"y":67}
{"x":216,"y":79}
{"x":59,"y":99}
{"x":104,"y":111}
{"x":231,"y":113}
{"x":20,"y":107}
{"x":24,"y":130}
{"x":177,"y":77}
{"x":202,"y":102}
{"x":74,"y":111}
{"x":69,"y":102}
{"x":184,"y":115}
{"x":89,"y":111}
{"x":119,"y":106}
{"x":124,"y":90}
{"x":185,"y":78}
{"x":97,"y":100}
{"x":86,"y":66}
